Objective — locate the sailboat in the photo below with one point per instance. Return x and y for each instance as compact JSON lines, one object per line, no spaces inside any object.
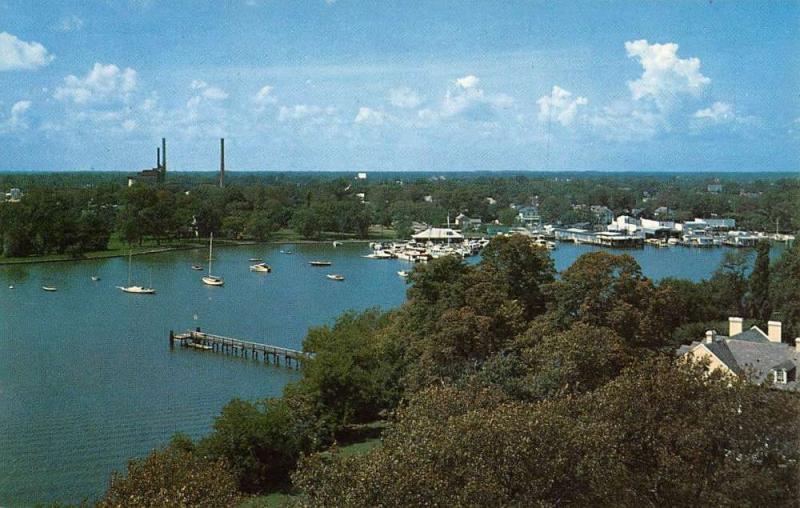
{"x":136,"y":290}
{"x":212,"y":280}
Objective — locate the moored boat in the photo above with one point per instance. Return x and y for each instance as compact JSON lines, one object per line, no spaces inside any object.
{"x":403,"y":273}
{"x":50,"y":288}
{"x":212,"y":280}
{"x":261,"y":267}
{"x":320,"y":263}
{"x":335,"y":276}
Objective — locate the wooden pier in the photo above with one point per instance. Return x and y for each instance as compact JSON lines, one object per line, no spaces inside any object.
{"x":209,"y":342}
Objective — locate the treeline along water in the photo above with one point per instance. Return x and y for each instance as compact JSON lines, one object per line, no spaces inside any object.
{"x":87,"y":379}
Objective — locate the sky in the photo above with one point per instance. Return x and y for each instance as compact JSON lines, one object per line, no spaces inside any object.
{"x":346,"y":85}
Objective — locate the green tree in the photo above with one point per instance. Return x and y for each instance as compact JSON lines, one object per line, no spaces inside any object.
{"x":173,"y":478}
{"x":760,"y":307}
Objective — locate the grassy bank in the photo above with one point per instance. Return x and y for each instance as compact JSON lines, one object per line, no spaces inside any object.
{"x":117,"y":248}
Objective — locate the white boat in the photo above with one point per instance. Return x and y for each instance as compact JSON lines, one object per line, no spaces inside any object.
{"x":320,"y":263}
{"x":336,"y":243}
{"x":197,"y":267}
{"x":212,"y":280}
{"x":11,"y":286}
{"x":95,"y":278}
{"x":335,"y":276}
{"x":403,"y":273}
{"x":260,"y":267}
{"x":50,"y":288}
{"x":131,"y":288}
{"x":255,"y":260}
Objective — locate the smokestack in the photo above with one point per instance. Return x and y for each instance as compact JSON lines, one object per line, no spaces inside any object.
{"x":158,"y":157}
{"x":221,"y":162}
{"x":711,"y":336}
{"x":164,"y":154}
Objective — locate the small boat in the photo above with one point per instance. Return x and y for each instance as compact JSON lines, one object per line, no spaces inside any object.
{"x":11,"y":286}
{"x":255,"y":260}
{"x":320,"y":263}
{"x":137,"y":290}
{"x":336,"y":243}
{"x":212,"y":280}
{"x":50,"y":288}
{"x":403,"y":273}
{"x":95,"y":278}
{"x":132,"y":289}
{"x":335,"y":276}
{"x":261,"y":267}
{"x":286,"y":252}
{"x":197,"y":267}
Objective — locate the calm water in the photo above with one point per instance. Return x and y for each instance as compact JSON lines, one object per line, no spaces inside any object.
{"x":87,"y":379}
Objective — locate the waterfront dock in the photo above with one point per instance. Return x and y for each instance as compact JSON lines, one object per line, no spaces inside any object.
{"x":204,"y":341}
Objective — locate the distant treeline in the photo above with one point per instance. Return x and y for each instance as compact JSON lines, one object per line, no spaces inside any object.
{"x":504,"y":385}
{"x":77,"y":212}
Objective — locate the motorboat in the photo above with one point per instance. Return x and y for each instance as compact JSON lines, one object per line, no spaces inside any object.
{"x":255,"y":260}
{"x":197,"y":267}
{"x":335,"y":276}
{"x":336,"y":243}
{"x":50,"y":288}
{"x":261,"y":267}
{"x":320,"y":263}
{"x":212,"y":280}
{"x":403,"y":273}
{"x":95,"y":278}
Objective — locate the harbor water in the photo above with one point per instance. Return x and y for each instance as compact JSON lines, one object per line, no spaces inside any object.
{"x":87,"y":379}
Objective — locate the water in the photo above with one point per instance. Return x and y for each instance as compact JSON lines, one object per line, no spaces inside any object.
{"x":87,"y":379}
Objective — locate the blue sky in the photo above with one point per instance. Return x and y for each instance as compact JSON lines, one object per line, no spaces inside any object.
{"x":352,"y":85}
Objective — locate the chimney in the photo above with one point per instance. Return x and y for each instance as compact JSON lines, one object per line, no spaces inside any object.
{"x":797,"y":345}
{"x":711,"y":335}
{"x":164,"y":154}
{"x":774,"y":331}
{"x":158,"y":157}
{"x":734,"y":326}
{"x":221,"y":163}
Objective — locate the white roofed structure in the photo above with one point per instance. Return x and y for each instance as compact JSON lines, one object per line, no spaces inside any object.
{"x":438,"y":235}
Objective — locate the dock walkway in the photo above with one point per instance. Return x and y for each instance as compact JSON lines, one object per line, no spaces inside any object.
{"x":198,"y":339}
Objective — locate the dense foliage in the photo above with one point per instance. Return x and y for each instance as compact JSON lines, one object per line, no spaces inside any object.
{"x":76,"y":213}
{"x":505,"y":384}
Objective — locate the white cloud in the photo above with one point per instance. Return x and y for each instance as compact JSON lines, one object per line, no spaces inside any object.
{"x":103,"y":83}
{"x":469,"y":81}
{"x":214,"y":93}
{"x":265,"y":97}
{"x":370,"y":116}
{"x":559,"y":106}
{"x":302,"y":111}
{"x":16,"y":54}
{"x":198,"y":84}
{"x":626,"y":121}
{"x":404,"y":97}
{"x":665,"y":75}
{"x":718,"y":112}
{"x":129,"y":125}
{"x":467,"y":101}
{"x":16,"y":120}
{"x":70,"y":23}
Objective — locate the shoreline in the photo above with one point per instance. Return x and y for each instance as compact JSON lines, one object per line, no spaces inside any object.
{"x":160,"y":250}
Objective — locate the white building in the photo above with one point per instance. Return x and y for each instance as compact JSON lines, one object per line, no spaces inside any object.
{"x":438,"y":235}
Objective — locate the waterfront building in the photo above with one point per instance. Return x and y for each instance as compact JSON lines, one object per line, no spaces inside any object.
{"x":752,"y":354}
{"x":438,"y":235}
{"x":528,"y":215}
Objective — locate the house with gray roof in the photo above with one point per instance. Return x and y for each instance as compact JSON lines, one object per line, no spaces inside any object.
{"x":753,"y":354}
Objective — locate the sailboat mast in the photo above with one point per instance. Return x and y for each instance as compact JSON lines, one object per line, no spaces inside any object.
{"x":210,"y":252}
{"x":130,"y":256}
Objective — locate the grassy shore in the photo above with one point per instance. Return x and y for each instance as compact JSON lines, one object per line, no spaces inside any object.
{"x":117,"y":248}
